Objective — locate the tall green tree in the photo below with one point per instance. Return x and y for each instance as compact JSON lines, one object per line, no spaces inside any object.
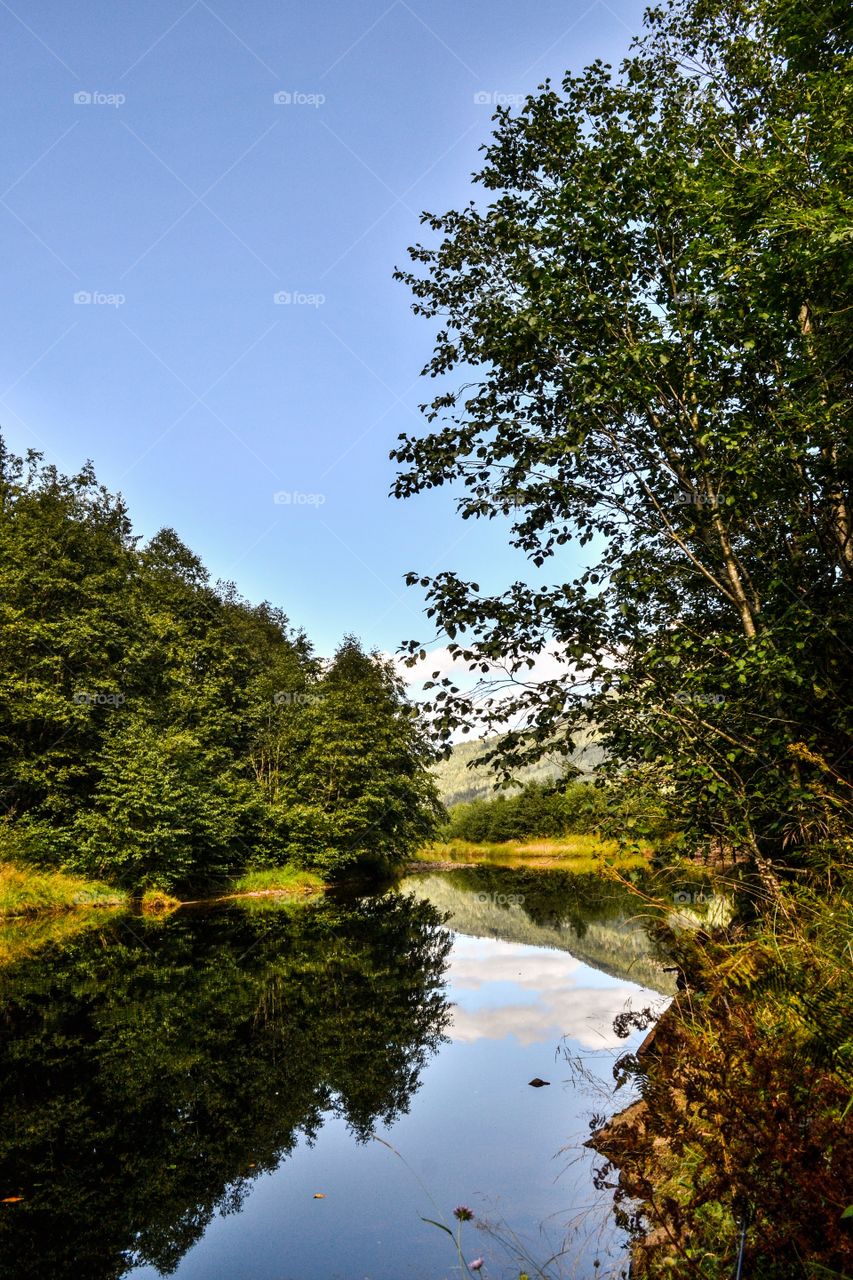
{"x":357,"y":785}
{"x":66,"y":562}
{"x":650,"y":310}
{"x":165,"y":811}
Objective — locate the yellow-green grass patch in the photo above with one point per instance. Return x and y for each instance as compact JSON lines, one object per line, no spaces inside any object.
{"x":573,"y":853}
{"x":27,"y":891}
{"x":279,"y":880}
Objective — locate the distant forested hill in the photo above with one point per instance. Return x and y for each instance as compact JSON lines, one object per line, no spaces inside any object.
{"x":457,"y":783}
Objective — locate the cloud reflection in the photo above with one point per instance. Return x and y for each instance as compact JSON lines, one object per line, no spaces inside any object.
{"x":566,"y":997}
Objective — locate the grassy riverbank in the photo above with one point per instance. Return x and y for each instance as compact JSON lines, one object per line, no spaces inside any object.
{"x":26,"y":892}
{"x":580,"y":853}
{"x":275,"y":880}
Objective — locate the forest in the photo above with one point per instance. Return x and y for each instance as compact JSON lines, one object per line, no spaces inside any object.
{"x":160,"y":732}
{"x":561,"y":808}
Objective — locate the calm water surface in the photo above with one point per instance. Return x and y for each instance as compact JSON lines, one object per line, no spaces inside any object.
{"x":205,"y":1096}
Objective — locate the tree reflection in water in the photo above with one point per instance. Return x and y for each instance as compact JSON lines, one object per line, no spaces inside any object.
{"x":149,"y":1071}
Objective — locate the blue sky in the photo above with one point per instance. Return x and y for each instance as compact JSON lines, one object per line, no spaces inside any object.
{"x":156,"y":198}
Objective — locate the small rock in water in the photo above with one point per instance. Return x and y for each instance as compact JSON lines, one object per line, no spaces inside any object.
{"x":537,"y":1083}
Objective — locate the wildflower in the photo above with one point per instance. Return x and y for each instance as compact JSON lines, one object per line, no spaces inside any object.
{"x":476,"y":1264}
{"x":463,"y":1213}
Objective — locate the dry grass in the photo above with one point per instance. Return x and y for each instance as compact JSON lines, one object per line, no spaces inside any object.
{"x":572,"y":853}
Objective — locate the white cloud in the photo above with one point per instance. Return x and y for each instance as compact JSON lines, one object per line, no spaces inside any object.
{"x":547,"y":665}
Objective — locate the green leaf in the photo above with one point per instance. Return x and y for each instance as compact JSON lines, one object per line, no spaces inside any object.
{"x":432,"y":1222}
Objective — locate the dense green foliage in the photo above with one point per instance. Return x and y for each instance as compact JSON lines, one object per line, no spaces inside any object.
{"x":356,"y":785}
{"x":151,"y":1072}
{"x":537,"y":810}
{"x":157,"y":729}
{"x":650,"y":315}
{"x":557,"y":810}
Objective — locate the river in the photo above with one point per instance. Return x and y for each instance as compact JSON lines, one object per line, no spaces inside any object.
{"x":270,"y":1090}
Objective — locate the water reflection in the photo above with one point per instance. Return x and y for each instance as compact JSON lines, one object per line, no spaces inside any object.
{"x":600,"y":922}
{"x":150,"y":1072}
{"x":534,"y":996}
{"x":174,"y":1093}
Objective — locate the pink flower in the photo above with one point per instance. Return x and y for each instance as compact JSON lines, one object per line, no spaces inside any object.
{"x":463,"y":1213}
{"x":476,"y":1264}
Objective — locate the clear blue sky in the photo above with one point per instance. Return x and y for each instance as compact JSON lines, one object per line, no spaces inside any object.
{"x":182,"y":197}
